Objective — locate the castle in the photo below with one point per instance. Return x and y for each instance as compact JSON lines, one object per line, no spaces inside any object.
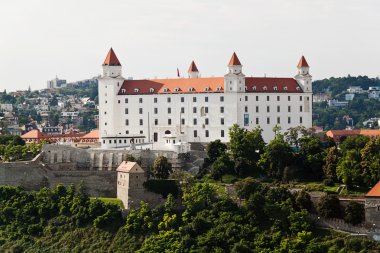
{"x":170,"y":112}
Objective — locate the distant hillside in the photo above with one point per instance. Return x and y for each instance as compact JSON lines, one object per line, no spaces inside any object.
{"x":340,"y":84}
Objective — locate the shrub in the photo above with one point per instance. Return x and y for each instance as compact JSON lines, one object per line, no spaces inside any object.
{"x":354,"y":213}
{"x":162,"y":186}
{"x":328,"y":206}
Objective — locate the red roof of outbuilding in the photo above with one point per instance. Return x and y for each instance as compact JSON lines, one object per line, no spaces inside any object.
{"x":234,"y":60}
{"x":111,"y":59}
{"x":193,"y":67}
{"x":94,"y":134}
{"x":33,"y":134}
{"x":302,"y":62}
{"x":207,"y":85}
{"x":375,"y":191}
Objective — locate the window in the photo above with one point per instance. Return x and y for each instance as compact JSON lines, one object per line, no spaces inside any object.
{"x":221,"y":133}
{"x":182,"y":109}
{"x":155,"y":110}
{"x":267,"y":98}
{"x":308,"y":98}
{"x":278,"y":120}
{"x":106,"y":101}
{"x":288,"y":98}
{"x":268,"y":108}
{"x":118,"y":101}
{"x":191,"y":89}
{"x":289,"y":120}
{"x":218,"y":88}
{"x":155,"y":100}
{"x":206,"y":121}
{"x":300,"y":120}
{"x":222,"y":121}
{"x":182,"y":99}
{"x":289,"y":108}
{"x":285,"y":88}
{"x":126,"y":110}
{"x":177,"y":89}
{"x":169,"y":110}
{"x":127,"y":122}
{"x":206,"y":99}
{"x":105,"y":112}
{"x":126,"y":100}
{"x":140,"y":110}
{"x":110,"y":141}
{"x":278,"y":98}
{"x":278,"y":108}
{"x":246,"y":98}
{"x":222,"y":109}
{"x":105,"y":123}
{"x":140,"y":100}
{"x":169,"y":100}
{"x":194,"y":109}
{"x":257,"y":121}
{"x":195,"y":133}
{"x":206,"y":109}
{"x":141,"y":122}
{"x":221,"y":99}
{"x":141,"y":132}
{"x":194,"y":121}
{"x":206,"y":133}
{"x":166,"y":89}
{"x":275,"y":88}
{"x":257,"y":108}
{"x":151,"y":90}
{"x":246,"y":109}
{"x":254,"y":88}
{"x":257,"y":98}
{"x":183,"y":121}
{"x":300,"y":108}
{"x":300,"y":98}
{"x":194,"y":99}
{"x":268,"y":120}
{"x":155,"y":122}
{"x":169,"y":122}
{"x":136,"y":90}
{"x":265,"y":88}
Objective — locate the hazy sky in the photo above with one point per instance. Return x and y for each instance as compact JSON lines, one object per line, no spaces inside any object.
{"x":40,"y":39}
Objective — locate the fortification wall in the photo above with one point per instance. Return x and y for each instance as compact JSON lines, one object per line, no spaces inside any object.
{"x":35,"y":176}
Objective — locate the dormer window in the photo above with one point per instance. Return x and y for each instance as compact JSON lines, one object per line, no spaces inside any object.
{"x":123,"y":90}
{"x":191,"y":89}
{"x":254,"y":88}
{"x":136,"y":90}
{"x":166,"y":89}
{"x":298,"y":88}
{"x":265,"y":88}
{"x":218,"y":88}
{"x":151,"y":90}
{"x":275,"y":88}
{"x":207,"y":88}
{"x":177,"y":89}
{"x":285,"y":88}
{"x":245,"y":88}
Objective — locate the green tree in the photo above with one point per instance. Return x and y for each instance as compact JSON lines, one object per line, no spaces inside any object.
{"x":370,"y":161}
{"x":215,"y":149}
{"x":161,"y":168}
{"x":331,"y":162}
{"x":328,"y":206}
{"x":222,"y":165}
{"x":303,"y":200}
{"x":354,"y":213}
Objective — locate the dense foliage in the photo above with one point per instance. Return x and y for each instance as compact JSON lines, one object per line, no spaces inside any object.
{"x":13,"y":148}
{"x":65,"y":220}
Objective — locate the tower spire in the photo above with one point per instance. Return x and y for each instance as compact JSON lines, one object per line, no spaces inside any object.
{"x":111,"y":59}
{"x":193,"y":70}
{"x":234,"y":60}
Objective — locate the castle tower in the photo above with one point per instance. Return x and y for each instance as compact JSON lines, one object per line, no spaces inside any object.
{"x":193,"y":70}
{"x":109,"y":86}
{"x":303,"y":77}
{"x":234,"y":80}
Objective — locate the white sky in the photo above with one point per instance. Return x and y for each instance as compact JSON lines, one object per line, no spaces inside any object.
{"x":40,"y":39}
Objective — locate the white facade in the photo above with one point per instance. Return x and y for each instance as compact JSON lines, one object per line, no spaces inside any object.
{"x":175,"y":115}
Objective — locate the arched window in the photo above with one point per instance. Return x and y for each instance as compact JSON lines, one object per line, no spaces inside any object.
{"x":167,"y":132}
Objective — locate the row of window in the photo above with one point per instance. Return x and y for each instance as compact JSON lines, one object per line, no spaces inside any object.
{"x":221,"y":99}
{"x":195,"y":121}
{"x":205,"y":109}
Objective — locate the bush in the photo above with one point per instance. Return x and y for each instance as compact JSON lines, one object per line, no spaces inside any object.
{"x":303,"y":201}
{"x":328,"y":206}
{"x":354,"y":213}
{"x":328,"y":182}
{"x":162,"y":186}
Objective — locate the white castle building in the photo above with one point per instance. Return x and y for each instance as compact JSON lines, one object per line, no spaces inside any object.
{"x":166,"y":112}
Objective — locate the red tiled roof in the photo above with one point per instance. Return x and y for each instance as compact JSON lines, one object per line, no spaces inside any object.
{"x":302,"y":62}
{"x":94,"y":134}
{"x":111,"y":59}
{"x":33,"y":134}
{"x":193,"y":67}
{"x":207,"y":85}
{"x":375,"y":191}
{"x":234,"y":60}
{"x":339,"y":133}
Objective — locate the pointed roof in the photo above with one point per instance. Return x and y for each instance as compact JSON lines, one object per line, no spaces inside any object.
{"x":130,"y":167}
{"x":234,"y":60}
{"x":111,"y":59}
{"x":193,"y":67}
{"x":302,"y":62}
{"x":375,"y":191}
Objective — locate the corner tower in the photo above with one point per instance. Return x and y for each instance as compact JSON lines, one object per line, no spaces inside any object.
{"x":303,"y":77}
{"x":109,"y":86}
{"x":234,"y":80}
{"x":193,"y":70}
